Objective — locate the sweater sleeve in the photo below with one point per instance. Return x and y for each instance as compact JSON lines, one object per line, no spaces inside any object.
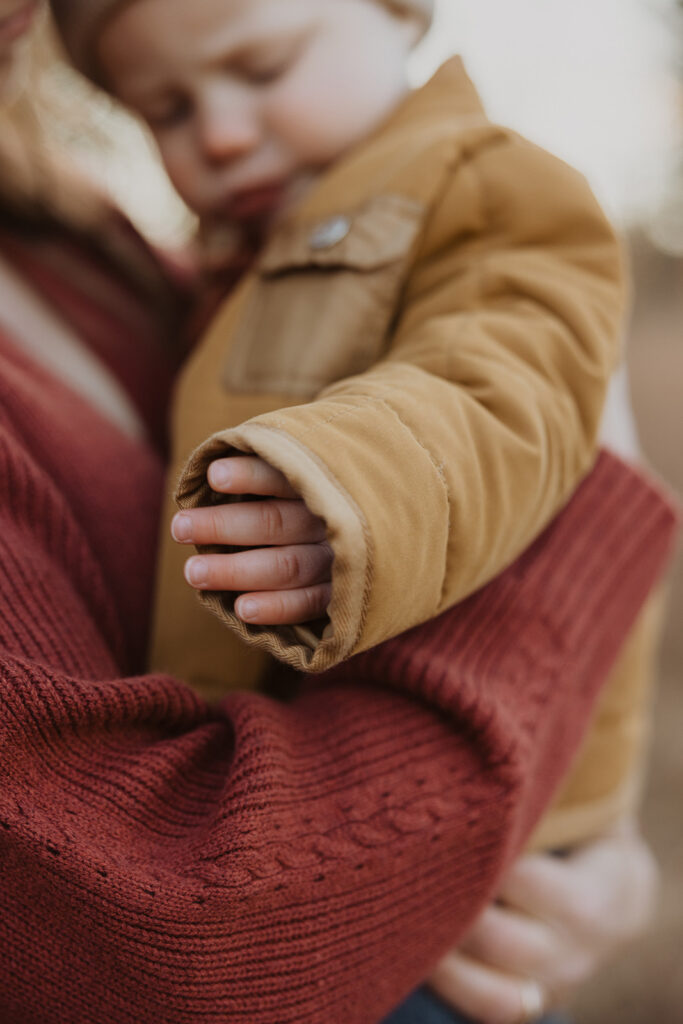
{"x":284,"y":863}
{"x":437,"y":467}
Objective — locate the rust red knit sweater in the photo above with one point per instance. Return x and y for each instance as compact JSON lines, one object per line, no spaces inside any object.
{"x":163,"y":861}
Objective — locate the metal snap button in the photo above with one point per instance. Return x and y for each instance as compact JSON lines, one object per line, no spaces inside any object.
{"x":330,"y":233}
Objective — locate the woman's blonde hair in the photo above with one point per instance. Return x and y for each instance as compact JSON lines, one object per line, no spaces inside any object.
{"x":50,"y":109}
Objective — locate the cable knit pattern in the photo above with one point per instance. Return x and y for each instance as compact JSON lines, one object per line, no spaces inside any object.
{"x":262,"y":861}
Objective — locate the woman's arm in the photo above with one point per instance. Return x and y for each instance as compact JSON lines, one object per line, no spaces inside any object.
{"x":163,"y":859}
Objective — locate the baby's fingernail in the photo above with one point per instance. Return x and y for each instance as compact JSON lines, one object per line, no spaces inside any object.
{"x":247,"y":610}
{"x":181,"y":528}
{"x":219,"y":475}
{"x":196,"y":572}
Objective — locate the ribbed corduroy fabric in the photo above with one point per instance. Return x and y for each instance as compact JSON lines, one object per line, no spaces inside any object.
{"x":258,"y":862}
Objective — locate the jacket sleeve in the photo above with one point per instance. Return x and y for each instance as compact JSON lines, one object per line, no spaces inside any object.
{"x":278,"y":863}
{"x":438,"y":466}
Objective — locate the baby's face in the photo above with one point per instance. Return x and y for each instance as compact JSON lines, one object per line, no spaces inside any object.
{"x":247,"y":99}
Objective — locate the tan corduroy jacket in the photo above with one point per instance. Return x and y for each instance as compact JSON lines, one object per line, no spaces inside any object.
{"x":423,"y":348}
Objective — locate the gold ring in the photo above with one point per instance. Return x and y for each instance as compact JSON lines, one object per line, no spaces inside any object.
{"x":531,"y":998}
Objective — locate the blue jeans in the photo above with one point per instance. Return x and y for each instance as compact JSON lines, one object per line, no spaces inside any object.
{"x":424,"y":1008}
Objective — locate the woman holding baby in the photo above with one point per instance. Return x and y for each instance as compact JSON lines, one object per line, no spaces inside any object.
{"x":168,"y":859}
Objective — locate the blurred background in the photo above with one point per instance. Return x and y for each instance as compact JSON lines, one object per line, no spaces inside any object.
{"x":600,"y":83}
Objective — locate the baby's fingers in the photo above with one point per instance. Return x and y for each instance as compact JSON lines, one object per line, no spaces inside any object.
{"x":284,"y":607}
{"x":249,"y":524}
{"x":248,"y":475}
{"x":287,"y":568}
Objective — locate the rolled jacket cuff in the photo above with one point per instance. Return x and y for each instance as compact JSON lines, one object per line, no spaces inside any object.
{"x":307,"y":648}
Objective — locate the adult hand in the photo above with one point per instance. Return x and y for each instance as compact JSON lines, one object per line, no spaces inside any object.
{"x":286,"y":576}
{"x":555,"y":921}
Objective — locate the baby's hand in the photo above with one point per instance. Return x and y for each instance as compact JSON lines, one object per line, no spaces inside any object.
{"x":286,"y":577}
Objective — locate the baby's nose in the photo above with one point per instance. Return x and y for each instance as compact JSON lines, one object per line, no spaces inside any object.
{"x":229,"y":128}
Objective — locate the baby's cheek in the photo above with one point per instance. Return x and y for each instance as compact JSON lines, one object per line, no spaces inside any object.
{"x":306,"y":123}
{"x":320,"y":117}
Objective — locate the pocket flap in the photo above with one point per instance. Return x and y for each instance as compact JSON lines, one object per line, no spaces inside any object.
{"x":373,"y":236}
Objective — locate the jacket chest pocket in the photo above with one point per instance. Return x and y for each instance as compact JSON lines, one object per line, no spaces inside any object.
{"x":323,"y":300}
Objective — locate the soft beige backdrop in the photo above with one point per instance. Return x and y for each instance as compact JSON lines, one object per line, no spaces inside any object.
{"x":592,"y":80}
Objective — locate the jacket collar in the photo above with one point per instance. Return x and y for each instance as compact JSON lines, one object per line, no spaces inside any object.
{"x":446,"y":97}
